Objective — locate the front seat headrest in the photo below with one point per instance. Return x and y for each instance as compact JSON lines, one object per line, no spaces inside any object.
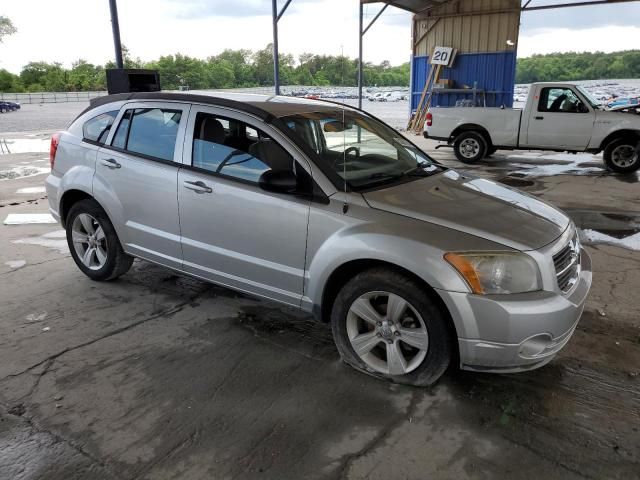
{"x":272,"y":154}
{"x":211,"y":130}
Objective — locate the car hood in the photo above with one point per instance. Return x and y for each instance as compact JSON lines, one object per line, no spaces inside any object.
{"x":476,"y":206}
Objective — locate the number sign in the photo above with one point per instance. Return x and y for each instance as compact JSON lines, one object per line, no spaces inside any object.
{"x":442,"y":56}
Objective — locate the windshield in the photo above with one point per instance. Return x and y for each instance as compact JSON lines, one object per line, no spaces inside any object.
{"x":361,"y":150}
{"x":592,"y":101}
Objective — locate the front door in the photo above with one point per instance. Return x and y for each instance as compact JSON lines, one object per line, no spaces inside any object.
{"x":233,"y":232}
{"x":561,"y":121}
{"x":137,"y":176}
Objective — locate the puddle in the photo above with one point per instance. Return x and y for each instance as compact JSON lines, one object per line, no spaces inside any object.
{"x":22,"y":172}
{"x":56,"y":240}
{"x":517,"y":182}
{"x":26,"y":145}
{"x":610,"y":228}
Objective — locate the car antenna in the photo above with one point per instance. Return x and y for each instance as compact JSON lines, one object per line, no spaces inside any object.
{"x":345,"y":206}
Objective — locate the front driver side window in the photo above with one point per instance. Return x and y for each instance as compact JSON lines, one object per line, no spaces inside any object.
{"x":234,"y":149}
{"x":559,"y":100}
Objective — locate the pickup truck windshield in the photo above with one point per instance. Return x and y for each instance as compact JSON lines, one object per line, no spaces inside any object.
{"x":364,"y":152}
{"x":592,"y":101}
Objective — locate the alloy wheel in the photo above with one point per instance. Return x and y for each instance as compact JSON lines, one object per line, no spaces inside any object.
{"x":387,"y":333}
{"x":89,"y":241}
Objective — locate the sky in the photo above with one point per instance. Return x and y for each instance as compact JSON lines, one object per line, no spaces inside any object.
{"x":66,"y":30}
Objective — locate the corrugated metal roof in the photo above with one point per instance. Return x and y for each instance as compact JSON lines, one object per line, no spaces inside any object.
{"x":414,"y":6}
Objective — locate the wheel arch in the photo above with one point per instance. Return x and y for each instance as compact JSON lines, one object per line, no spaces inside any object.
{"x":345,"y":272}
{"x":472,"y":127}
{"x":619,"y":134}
{"x":69,"y":199}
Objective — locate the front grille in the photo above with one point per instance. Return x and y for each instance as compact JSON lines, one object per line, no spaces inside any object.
{"x":567,"y":264}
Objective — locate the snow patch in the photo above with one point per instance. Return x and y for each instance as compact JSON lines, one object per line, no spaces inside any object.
{"x":631,"y":242}
{"x":31,"y":190}
{"x":546,"y":164}
{"x":22,"y":172}
{"x":15,"y":264}
{"x":28,"y":145}
{"x":56,"y":240}
{"x":28,"y":218}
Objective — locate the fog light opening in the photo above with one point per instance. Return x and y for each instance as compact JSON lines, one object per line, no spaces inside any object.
{"x":534,"y":346}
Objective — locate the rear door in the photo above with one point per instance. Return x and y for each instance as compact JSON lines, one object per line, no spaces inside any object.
{"x":136,"y":179}
{"x":233,"y":232}
{"x":560,"y":119}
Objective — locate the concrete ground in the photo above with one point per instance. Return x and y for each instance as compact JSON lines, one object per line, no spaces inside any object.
{"x":159,"y":376}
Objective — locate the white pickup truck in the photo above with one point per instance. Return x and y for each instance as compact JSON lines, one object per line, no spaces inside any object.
{"x":557,"y":116}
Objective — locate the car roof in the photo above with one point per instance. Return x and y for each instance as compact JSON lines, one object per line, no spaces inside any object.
{"x":263,"y":106}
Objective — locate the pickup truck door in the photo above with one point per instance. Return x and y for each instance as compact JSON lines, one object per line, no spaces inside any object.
{"x":559,"y":119}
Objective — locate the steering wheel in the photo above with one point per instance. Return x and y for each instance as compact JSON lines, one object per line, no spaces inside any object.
{"x":356,"y":150}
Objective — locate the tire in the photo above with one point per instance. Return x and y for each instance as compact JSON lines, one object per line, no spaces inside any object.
{"x":622,"y":155}
{"x":490,"y":151}
{"x":470,"y":147}
{"x":421,"y":322}
{"x":107,"y":261}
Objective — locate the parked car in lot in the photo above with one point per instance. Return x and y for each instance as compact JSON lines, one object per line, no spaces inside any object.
{"x":325,"y":208}
{"x":8,"y":106}
{"x":557,"y":116}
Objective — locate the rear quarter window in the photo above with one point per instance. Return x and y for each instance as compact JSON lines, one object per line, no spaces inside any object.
{"x":96,"y":129}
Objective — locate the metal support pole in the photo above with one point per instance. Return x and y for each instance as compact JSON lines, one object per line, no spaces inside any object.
{"x":360,"y":34}
{"x":276,"y":59}
{"x":115,"y":25}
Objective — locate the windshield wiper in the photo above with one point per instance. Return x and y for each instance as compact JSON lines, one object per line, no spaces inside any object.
{"x":419,"y":171}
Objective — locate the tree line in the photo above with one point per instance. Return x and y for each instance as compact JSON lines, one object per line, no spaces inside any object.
{"x":246,"y":68}
{"x":229,"y":69}
{"x":557,"y":67}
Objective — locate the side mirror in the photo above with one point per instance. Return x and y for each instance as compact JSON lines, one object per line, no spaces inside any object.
{"x":581,"y":107}
{"x":281,"y":181}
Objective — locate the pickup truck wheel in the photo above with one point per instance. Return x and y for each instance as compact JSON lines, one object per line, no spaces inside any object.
{"x":490,"y":151}
{"x":93,"y":242}
{"x":385,"y":325}
{"x":470,"y":147}
{"x":622,"y":155}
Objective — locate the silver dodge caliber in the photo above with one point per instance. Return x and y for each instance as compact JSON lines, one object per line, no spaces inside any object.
{"x":328,"y":209}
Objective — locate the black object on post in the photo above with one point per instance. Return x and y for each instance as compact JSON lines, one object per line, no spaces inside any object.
{"x":121,"y":80}
{"x":115,"y":26}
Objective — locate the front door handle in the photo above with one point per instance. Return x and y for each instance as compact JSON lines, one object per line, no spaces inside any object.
{"x":539,"y":118}
{"x":110,"y":162}
{"x":198,"y":187}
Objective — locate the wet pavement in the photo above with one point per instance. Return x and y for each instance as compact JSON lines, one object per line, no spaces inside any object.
{"x":160,"y":376}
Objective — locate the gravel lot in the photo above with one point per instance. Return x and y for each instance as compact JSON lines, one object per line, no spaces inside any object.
{"x":160,"y":376}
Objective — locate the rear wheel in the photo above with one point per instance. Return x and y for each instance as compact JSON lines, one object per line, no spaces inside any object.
{"x":470,"y":147}
{"x":386,"y":325}
{"x":622,"y":155}
{"x":490,"y":151}
{"x":93,"y":242}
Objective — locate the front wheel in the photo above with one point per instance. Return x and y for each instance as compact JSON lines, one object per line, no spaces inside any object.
{"x":470,"y":147}
{"x":93,"y":242}
{"x":622,"y":155}
{"x":385,"y":324}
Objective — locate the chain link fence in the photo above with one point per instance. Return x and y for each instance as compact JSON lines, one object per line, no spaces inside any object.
{"x":50,"y":97}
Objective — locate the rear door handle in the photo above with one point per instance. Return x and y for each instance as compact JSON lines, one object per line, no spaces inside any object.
{"x":110,"y":162}
{"x":198,"y":187}
{"x":539,"y":118}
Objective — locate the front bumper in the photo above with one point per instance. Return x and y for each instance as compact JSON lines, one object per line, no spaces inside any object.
{"x":512,"y":333}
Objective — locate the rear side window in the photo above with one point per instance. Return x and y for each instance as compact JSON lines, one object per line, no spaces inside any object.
{"x":97,"y":129}
{"x":149,"y":131}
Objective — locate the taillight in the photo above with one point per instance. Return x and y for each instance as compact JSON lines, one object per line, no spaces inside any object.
{"x":429,"y":119}
{"x":55,"y":140}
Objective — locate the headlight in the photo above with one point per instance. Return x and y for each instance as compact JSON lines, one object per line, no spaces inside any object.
{"x":488,"y":273}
